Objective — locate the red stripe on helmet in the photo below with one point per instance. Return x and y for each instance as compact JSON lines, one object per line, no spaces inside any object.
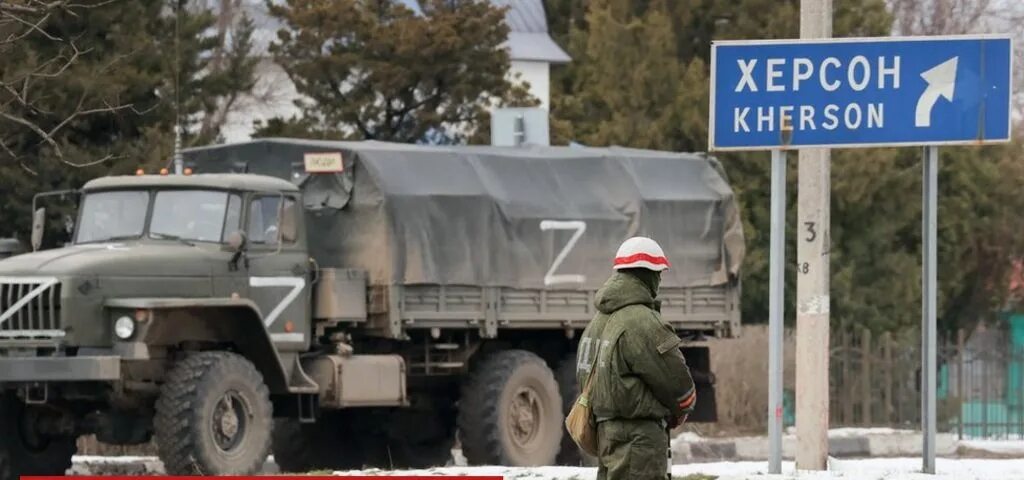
{"x":642,"y":257}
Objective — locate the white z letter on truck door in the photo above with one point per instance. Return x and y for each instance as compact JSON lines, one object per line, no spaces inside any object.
{"x":550,"y":278}
{"x":296,"y":284}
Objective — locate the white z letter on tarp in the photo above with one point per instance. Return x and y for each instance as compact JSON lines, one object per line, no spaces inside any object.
{"x":580,"y":227}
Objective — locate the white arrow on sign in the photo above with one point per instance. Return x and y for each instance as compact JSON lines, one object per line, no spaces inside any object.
{"x":941,"y":83}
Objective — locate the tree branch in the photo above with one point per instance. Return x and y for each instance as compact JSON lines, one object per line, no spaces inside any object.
{"x":35,"y":128}
{"x":31,"y":26}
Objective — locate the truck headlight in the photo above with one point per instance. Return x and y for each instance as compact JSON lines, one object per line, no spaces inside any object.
{"x":124,"y":327}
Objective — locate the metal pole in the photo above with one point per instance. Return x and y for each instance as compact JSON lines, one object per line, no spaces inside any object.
{"x":776,"y":289}
{"x":179,"y":163}
{"x":812,"y":287}
{"x":929,"y":282}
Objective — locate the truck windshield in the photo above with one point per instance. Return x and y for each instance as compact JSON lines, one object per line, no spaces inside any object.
{"x":198,"y":215}
{"x":112,"y":215}
{"x":187,"y":215}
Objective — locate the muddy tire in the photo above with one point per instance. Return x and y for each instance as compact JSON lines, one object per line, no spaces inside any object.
{"x":25,"y":454}
{"x":510,"y":411}
{"x":324,"y":445}
{"x":213,"y":417}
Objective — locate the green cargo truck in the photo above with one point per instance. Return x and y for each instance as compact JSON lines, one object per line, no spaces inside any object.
{"x":347,"y":304}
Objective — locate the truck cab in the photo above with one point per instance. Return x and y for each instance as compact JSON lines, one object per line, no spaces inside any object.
{"x":159,"y":267}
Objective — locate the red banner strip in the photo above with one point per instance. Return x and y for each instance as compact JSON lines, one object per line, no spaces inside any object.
{"x":279,"y":477}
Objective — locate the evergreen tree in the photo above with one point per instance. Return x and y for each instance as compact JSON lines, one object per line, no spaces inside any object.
{"x":627,"y":79}
{"x":378,"y":70}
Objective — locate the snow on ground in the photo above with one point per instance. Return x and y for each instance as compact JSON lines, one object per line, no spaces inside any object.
{"x":867,"y":469}
{"x":1004,"y":447}
{"x":870,"y":469}
{"x":864,"y":432}
{"x":860,"y":432}
{"x":112,"y":460}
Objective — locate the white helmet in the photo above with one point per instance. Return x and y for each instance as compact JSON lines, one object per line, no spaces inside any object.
{"x":641,"y":252}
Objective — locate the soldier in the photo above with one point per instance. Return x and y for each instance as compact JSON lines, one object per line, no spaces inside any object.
{"x":642,"y":386}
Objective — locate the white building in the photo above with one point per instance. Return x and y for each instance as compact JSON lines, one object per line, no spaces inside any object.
{"x":531,"y":49}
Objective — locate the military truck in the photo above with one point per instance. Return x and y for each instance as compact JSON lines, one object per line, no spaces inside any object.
{"x":347,"y":304}
{"x":10,"y":247}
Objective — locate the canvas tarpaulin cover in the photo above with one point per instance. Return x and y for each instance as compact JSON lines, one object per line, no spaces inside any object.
{"x":523,"y":217}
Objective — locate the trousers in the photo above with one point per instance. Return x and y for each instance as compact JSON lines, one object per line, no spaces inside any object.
{"x":632,"y":449}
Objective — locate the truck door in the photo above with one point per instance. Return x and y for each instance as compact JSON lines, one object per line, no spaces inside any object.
{"x":278,"y":268}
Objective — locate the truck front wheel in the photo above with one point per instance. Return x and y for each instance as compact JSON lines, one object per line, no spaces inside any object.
{"x":213,"y":417}
{"x":26,"y":452}
{"x":510,"y":412}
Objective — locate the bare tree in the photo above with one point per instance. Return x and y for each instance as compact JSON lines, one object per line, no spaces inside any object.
{"x":957,"y":17}
{"x":242,"y":29}
{"x":23,"y":82}
{"x":940,"y":17}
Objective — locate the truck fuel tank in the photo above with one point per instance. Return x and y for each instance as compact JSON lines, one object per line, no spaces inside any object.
{"x":358,"y":380}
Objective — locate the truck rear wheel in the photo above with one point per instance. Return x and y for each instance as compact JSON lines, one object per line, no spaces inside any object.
{"x":213,"y":417}
{"x":24,"y":452}
{"x":510,"y":412}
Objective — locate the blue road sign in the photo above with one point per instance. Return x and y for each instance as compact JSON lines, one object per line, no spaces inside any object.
{"x":860,"y":92}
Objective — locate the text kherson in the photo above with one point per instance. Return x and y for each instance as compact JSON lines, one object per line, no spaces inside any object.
{"x":829,"y":75}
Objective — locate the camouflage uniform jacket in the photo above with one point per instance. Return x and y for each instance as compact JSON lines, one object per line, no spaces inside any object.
{"x":641,"y":371}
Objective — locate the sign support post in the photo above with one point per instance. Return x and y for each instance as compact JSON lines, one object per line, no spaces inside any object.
{"x":929,"y":281}
{"x":776,"y":301}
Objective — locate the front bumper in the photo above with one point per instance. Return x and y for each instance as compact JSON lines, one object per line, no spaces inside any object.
{"x":60,"y":369}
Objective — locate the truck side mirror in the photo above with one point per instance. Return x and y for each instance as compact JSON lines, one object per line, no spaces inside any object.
{"x":38,"y":223}
{"x":237,"y":241}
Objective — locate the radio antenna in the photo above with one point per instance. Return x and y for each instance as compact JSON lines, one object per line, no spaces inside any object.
{"x":178,"y":161}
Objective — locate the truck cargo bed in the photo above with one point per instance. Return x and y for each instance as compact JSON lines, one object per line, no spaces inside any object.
{"x":710,"y":311}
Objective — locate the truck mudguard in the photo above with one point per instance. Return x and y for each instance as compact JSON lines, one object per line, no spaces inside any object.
{"x":237,"y":321}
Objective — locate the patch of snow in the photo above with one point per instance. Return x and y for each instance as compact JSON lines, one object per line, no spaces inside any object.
{"x":853,"y":469}
{"x":859,"y":432}
{"x":1008,"y":447}
{"x":868,"y":469}
{"x":507,"y":473}
{"x":688,"y":437}
{"x":864,"y":432}
{"x":95,"y":459}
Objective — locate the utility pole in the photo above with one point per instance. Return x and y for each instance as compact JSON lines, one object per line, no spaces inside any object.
{"x":812,"y":286}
